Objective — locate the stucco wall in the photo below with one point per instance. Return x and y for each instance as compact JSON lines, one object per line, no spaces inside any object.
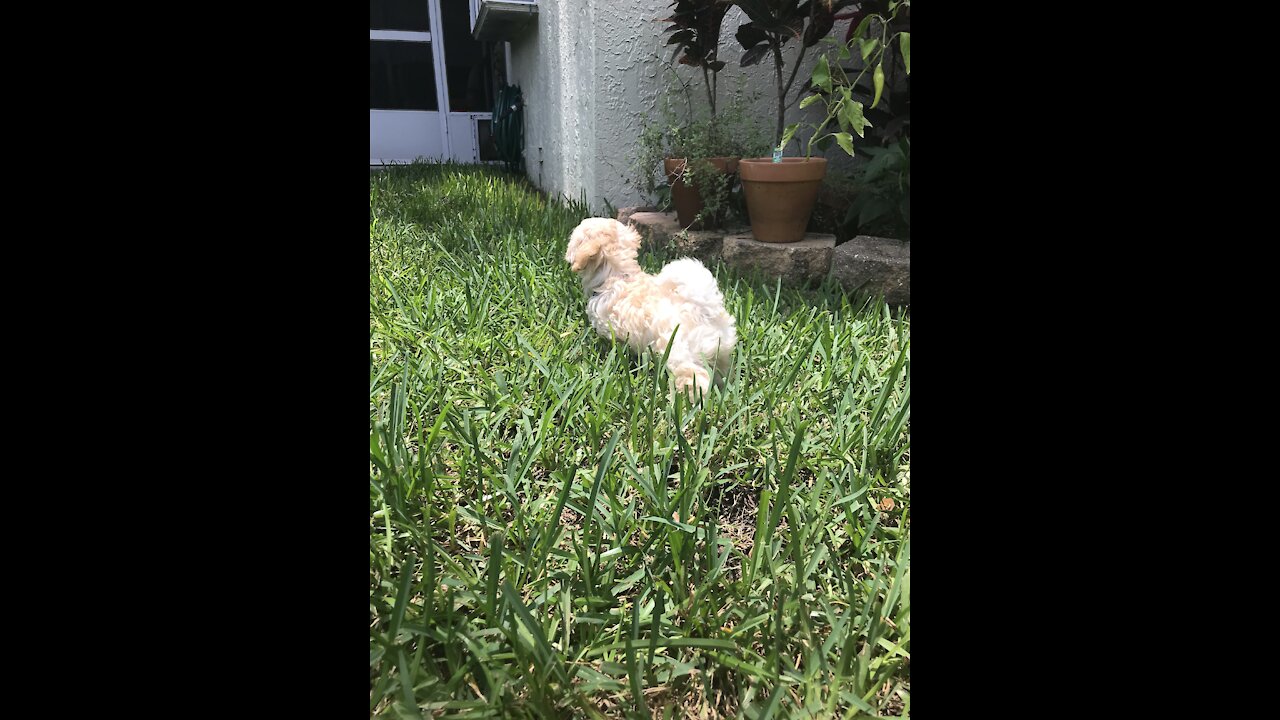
{"x":592,"y":70}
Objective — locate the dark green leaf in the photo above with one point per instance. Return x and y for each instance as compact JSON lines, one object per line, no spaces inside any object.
{"x":876,"y":207}
{"x":855,"y":207}
{"x":759,"y":11}
{"x":749,"y":36}
{"x":877,"y":166}
{"x":548,"y":654}
{"x":633,"y":667}
{"x":402,"y":597}
{"x":410,"y":703}
{"x":817,"y":29}
{"x":772,"y":705}
{"x":496,"y":541}
{"x":752,"y":56}
{"x":605,"y":458}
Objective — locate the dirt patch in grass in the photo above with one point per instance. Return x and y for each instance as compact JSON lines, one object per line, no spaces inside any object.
{"x":570,"y":519}
{"x":737,"y":507}
{"x":895,"y":704}
{"x":691,"y":698}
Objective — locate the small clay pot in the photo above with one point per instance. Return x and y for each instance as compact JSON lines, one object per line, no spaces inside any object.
{"x":687,"y":199}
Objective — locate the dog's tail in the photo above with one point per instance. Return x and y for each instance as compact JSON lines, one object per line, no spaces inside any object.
{"x":692,"y":281}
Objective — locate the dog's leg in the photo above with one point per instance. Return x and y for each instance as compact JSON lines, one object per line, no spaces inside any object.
{"x":687,"y":373}
{"x":724,"y":363}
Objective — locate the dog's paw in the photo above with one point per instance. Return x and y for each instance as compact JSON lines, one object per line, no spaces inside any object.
{"x":693,"y":382}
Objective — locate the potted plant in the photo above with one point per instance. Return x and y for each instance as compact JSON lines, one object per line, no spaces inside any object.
{"x":781,"y":192}
{"x":700,"y":157}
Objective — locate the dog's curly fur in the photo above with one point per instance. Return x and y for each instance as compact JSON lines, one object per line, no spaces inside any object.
{"x":626,"y":302}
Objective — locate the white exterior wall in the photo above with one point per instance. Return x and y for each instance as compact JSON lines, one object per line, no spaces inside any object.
{"x":592,"y":70}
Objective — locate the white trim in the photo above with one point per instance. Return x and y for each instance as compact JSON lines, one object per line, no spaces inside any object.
{"x":442,"y":80}
{"x":405,"y":134}
{"x":508,"y":66}
{"x":402,"y":133}
{"x":473,"y":127}
{"x":405,"y":35}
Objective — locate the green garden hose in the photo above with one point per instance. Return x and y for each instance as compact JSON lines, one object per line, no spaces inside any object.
{"x":508,"y":127}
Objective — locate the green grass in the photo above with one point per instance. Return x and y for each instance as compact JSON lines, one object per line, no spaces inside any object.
{"x":550,"y":536}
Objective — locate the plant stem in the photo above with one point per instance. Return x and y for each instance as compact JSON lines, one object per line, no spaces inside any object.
{"x":711,"y":93}
{"x":776,"y":41}
{"x":814,"y":136}
{"x":794,"y":70}
{"x":782,"y":91}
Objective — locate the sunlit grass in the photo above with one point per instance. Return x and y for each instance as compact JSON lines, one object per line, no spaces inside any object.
{"x":550,"y":537}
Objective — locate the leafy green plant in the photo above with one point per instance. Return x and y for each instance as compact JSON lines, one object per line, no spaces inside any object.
{"x":831,"y":85}
{"x":891,"y":119}
{"x":882,"y":203}
{"x":774,"y":23}
{"x":695,"y":34}
{"x":696,"y":137}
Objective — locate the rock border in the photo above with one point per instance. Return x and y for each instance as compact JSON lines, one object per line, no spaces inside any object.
{"x":867,"y":264}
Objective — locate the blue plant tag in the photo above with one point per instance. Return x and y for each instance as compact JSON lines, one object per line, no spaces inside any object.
{"x":777,"y":154}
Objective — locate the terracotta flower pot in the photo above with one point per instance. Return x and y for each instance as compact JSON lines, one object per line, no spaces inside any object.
{"x":781,"y":196}
{"x":687,"y":199}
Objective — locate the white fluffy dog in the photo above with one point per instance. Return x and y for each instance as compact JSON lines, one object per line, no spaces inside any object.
{"x":626,"y":302}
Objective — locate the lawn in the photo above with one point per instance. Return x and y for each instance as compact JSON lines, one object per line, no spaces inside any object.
{"x":550,"y":536}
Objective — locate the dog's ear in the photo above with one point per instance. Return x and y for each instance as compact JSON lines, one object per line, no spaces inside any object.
{"x":628,"y":238}
{"x":587,"y":241}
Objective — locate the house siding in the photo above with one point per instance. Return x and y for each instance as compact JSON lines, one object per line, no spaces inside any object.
{"x":591,"y":71}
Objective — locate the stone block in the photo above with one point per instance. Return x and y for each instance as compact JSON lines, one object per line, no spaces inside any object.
{"x":656,"y":229}
{"x":874,"y":265}
{"x":625,"y":214}
{"x":804,"y":262}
